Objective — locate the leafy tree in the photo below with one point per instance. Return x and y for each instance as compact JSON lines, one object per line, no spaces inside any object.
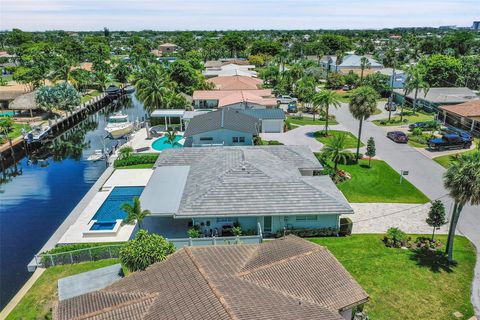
{"x":122,"y":71}
{"x":235,"y":43}
{"x":67,"y":98}
{"x":145,"y":250}
{"x":335,"y":81}
{"x":257,"y":60}
{"x":193,"y":233}
{"x":186,"y":77}
{"x":270,"y":76}
{"x":363,"y":104}
{"x":326,"y":99}
{"x":45,"y":98}
{"x":335,"y":150}
{"x":469,"y":75}
{"x":351,"y":79}
{"x":266,"y":47}
{"x":414,"y":82}
{"x":436,"y":216}
{"x":80,"y":78}
{"x":6,"y":124}
{"x":378,"y":81}
{"x":305,"y":88}
{"x":440,"y":70}
{"x":194,"y":58}
{"x":153,"y":85}
{"x":462,"y":180}
{"x":461,"y":42}
{"x":334,"y":43}
{"x":371,"y":150}
{"x":135,"y":212}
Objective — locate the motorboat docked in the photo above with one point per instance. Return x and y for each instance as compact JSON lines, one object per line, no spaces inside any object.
{"x":118,"y":125}
{"x":38,"y":133}
{"x":96,"y":155}
{"x":129,"y":89}
{"x":113,"y":90}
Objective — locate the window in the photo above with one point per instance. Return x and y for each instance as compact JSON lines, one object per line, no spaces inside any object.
{"x":223,"y":220}
{"x":235,"y":139}
{"x":306,"y":218}
{"x":242,"y":139}
{"x":206,"y":139}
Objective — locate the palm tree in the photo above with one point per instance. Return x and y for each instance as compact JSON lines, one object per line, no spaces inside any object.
{"x":336,"y":151}
{"x":152,"y":85}
{"x":171,"y":136}
{"x":339,"y":60}
{"x":363,"y":104}
{"x":135,"y":212}
{"x":415,"y":80}
{"x":364,"y":64}
{"x":462,"y":179}
{"x":327,"y":98}
{"x":125,"y":152}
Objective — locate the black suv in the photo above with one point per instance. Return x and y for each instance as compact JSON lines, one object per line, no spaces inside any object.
{"x":449,"y":141}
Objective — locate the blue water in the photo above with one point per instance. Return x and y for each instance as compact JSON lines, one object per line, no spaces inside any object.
{"x":35,"y":199}
{"x":160,"y":144}
{"x":103,"y":226}
{"x":111,"y":208}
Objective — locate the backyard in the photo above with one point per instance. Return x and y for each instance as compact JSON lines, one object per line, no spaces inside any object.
{"x":406,"y":284}
{"x":408,"y":117}
{"x":350,"y":140}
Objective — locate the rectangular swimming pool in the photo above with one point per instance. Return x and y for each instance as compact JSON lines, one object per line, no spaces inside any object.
{"x":111,"y":209}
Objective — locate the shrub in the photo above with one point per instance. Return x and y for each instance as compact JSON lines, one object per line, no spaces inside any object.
{"x":303,"y":233}
{"x":427,"y":243}
{"x":145,"y":250}
{"x":395,"y":238}
{"x":275,"y":143}
{"x":417,"y":132}
{"x":383,"y":123}
{"x":136,"y":158}
{"x":346,"y":226}
{"x":194,"y":232}
{"x":237,"y":231}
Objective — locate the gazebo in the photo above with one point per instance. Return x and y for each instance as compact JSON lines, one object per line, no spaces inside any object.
{"x":24,"y":102}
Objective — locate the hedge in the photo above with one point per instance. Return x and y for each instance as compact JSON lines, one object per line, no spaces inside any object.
{"x":305,"y":233}
{"x":78,"y":246}
{"x":136,"y":159}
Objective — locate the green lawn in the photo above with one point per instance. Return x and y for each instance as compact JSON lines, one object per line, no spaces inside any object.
{"x":379,"y":183}
{"x":137,"y":166}
{"x":350,"y":141}
{"x":302,"y":121}
{"x":90,"y":96}
{"x":419,"y":141}
{"x":408,"y":117}
{"x":403,"y":284}
{"x":445,"y":161}
{"x":37,"y":303}
{"x":15,"y":132}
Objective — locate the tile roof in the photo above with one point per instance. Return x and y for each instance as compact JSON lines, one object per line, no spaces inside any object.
{"x":252,"y":181}
{"x":467,"y":109}
{"x":262,"y":97}
{"x":443,"y":94}
{"x":236,"y":83}
{"x":288,"y":278}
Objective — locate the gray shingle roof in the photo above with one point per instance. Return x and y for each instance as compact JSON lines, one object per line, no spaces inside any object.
{"x":443,"y":95}
{"x":258,"y":180}
{"x":265,"y":114}
{"x":230,"y":119}
{"x":288,"y":278}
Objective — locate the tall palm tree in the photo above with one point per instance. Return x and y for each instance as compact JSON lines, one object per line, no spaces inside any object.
{"x":135,"y":212}
{"x":363,"y":104}
{"x":364,"y":64}
{"x":336,"y":151}
{"x":340,"y":55}
{"x":462,"y":179}
{"x":153,"y":85}
{"x":414,"y":82}
{"x":327,"y":98}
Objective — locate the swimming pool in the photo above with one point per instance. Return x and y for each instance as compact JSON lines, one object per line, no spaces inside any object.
{"x":111,"y":209}
{"x":160,"y":144}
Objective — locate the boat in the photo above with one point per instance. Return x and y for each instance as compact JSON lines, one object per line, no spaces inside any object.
{"x":118,"y":125}
{"x":113,"y":90}
{"x":38,"y":133}
{"x":129,"y":89}
{"x":96,"y":155}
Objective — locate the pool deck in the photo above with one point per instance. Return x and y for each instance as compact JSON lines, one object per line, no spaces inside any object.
{"x":119,"y":178}
{"x":139,"y":140}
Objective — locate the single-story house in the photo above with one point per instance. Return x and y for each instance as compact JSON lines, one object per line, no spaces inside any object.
{"x":167,"y":48}
{"x":465,"y":116}
{"x":223,"y":127}
{"x":223,"y":62}
{"x":289,"y":278}
{"x":350,"y":61}
{"x":230,"y":69}
{"x":236,"y":83}
{"x":435,"y":97}
{"x":399,"y":77}
{"x":266,"y":187}
{"x":241,"y":99}
{"x":272,"y":120}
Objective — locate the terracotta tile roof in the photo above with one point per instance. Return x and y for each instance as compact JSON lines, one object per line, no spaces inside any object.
{"x":467,"y":109}
{"x":236,"y":83}
{"x":288,"y":278}
{"x":262,"y":97}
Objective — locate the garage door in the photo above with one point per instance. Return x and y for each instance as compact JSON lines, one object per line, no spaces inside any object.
{"x":272,"y":126}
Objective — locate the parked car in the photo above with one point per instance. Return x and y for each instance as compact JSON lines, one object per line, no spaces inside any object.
{"x":286,"y":100}
{"x":292,"y":108}
{"x":397,"y":136}
{"x":425,"y":125}
{"x":391,"y":106}
{"x":449,"y":141}
{"x":464,"y":134}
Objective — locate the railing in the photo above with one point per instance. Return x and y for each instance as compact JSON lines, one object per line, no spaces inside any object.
{"x":214,"y":241}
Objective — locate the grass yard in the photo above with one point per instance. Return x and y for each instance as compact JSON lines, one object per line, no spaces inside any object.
{"x":92,"y":94}
{"x":380,"y":183}
{"x":302,"y":121}
{"x":408,"y":117}
{"x":37,"y":303}
{"x":350,"y":141}
{"x":445,"y":161}
{"x":15,"y":132}
{"x":137,"y":166}
{"x":404,"y":284}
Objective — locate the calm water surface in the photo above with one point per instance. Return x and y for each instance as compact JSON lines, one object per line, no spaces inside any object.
{"x":37,"y":200}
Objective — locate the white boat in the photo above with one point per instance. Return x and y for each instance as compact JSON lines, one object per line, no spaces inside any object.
{"x":96,"y":155}
{"x":118,"y":125}
{"x":38,"y":133}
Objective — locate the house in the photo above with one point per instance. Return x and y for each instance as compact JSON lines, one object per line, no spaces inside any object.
{"x":230,"y":69}
{"x":241,"y":99}
{"x":396,"y":80}
{"x":236,"y":83}
{"x":464,"y":116}
{"x":272,"y":120}
{"x":224,"y":127}
{"x":167,"y":48}
{"x":222,"y":62}
{"x":435,"y":97}
{"x":349,"y":62}
{"x":289,"y":278}
{"x":259,"y":187}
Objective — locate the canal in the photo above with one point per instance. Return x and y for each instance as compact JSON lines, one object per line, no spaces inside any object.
{"x":37,"y":195}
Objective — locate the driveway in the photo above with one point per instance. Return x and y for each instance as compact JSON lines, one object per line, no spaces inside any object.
{"x":425,"y":174}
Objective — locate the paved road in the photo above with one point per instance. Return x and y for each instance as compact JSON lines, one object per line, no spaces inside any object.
{"x":426,"y":175}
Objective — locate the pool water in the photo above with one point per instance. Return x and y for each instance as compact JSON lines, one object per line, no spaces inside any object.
{"x":160,"y":144}
{"x":111,"y":209}
{"x":103,"y":225}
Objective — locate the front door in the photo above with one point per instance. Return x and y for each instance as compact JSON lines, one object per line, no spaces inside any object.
{"x":267,"y":224}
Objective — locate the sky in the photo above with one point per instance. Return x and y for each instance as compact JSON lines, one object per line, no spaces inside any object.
{"x":86,"y":15}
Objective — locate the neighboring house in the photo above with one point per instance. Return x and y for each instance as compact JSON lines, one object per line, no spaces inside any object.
{"x":242,"y":99}
{"x":271,"y":187}
{"x":465,"y":116}
{"x":435,"y":97}
{"x":167,"y":48}
{"x":399,"y":77}
{"x":222,"y":62}
{"x":349,"y":62}
{"x":236,"y":83}
{"x":272,"y":119}
{"x":223,"y":127}
{"x":289,"y":278}
{"x":230,"y":69}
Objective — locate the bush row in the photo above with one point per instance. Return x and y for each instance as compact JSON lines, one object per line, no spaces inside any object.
{"x":305,"y":233}
{"x":136,"y":159}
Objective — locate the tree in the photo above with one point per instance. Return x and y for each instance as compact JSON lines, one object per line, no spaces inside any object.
{"x":144,"y":250}
{"x":351,"y":79}
{"x":267,"y":47}
{"x":45,"y":98}
{"x":364,"y":64}
{"x":334,"y":81}
{"x":121,"y":71}
{"x":335,"y":150}
{"x":171,"y":136}
{"x":235,"y":42}
{"x":67,"y":97}
{"x":378,"y":81}
{"x":436,"y":216}
{"x":153,"y":85}
{"x":441,"y":70}
{"x":135,"y":212}
{"x":462,"y":180}
{"x":326,"y":99}
{"x":334,"y":43}
{"x":371,"y":152}
{"x":186,"y":77}
{"x":363,"y":104}
{"x":414,"y":82}
{"x":125,"y":152}
{"x":470,"y":72}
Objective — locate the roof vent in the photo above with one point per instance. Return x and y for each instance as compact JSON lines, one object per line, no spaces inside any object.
{"x":244,"y":168}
